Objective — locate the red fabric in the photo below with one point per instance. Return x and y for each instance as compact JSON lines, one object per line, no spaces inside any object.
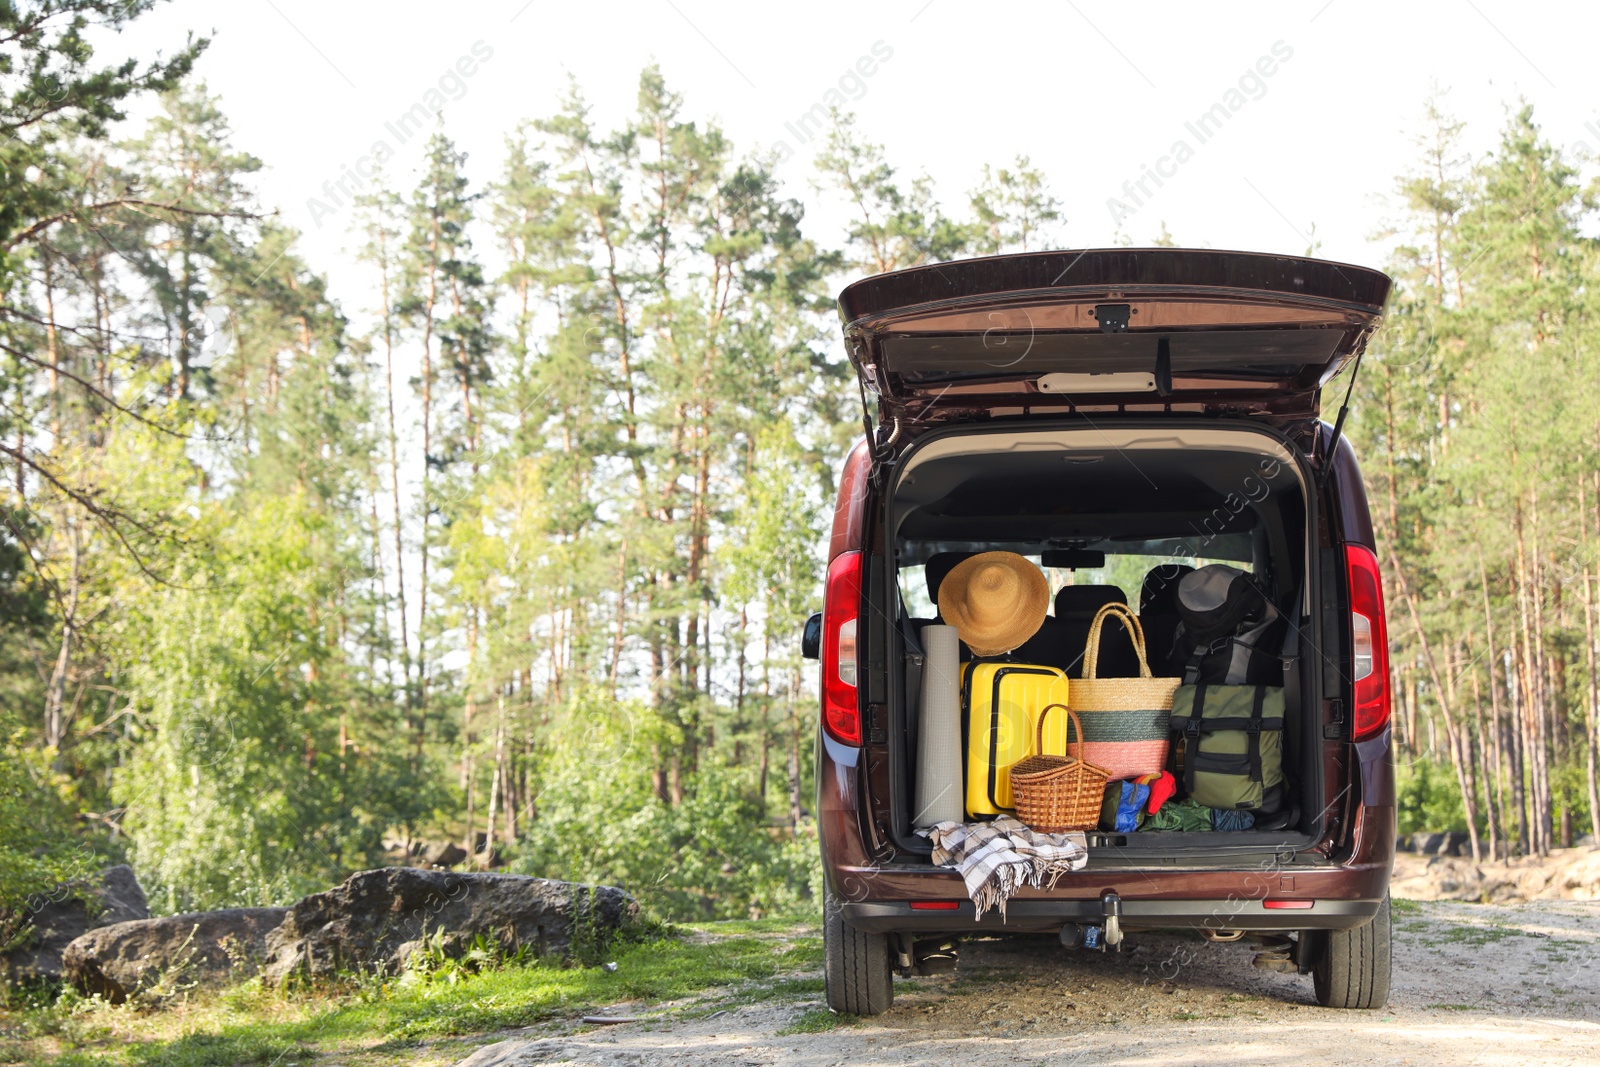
{"x":1162,"y":786}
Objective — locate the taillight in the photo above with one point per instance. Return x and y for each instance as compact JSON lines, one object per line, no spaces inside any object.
{"x":841,"y":606}
{"x":1369,"y":643}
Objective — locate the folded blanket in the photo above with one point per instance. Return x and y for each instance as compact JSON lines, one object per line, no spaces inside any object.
{"x":997,"y":858}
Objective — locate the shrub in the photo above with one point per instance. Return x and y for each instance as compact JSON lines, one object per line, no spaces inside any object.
{"x":711,"y":857}
{"x":40,"y":853}
{"x":1427,"y":798}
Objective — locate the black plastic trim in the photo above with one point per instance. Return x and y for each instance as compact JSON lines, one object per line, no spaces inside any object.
{"x":1025,"y":916}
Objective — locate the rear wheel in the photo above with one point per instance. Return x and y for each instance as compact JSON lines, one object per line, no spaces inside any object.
{"x":856,"y":965}
{"x":1351,"y":967}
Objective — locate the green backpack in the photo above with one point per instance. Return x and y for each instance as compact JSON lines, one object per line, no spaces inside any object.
{"x":1232,"y":745}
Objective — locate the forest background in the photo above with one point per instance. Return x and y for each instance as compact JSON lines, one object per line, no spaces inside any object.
{"x":520,"y":561}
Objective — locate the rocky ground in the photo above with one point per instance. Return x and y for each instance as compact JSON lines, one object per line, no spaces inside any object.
{"x":1474,"y":984}
{"x":1565,"y":874}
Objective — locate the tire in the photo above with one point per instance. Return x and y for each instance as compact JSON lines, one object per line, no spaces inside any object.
{"x":856,"y":965}
{"x":1351,"y":968}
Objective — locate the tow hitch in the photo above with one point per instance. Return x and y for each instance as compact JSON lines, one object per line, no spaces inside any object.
{"x":1097,"y":937}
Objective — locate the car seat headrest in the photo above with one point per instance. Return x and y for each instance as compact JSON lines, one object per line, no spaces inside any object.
{"x":1084,"y":600}
{"x":938,"y":567}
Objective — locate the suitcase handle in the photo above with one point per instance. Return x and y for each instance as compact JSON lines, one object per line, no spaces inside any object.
{"x":1130,"y":622}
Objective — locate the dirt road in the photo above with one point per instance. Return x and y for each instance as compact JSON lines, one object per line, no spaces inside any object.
{"x":1474,"y":984}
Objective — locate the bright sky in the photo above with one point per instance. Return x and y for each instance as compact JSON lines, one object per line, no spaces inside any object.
{"x":1322,"y":98}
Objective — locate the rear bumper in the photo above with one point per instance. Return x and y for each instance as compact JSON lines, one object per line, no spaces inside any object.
{"x":1024,"y":916}
{"x":1343,"y":891}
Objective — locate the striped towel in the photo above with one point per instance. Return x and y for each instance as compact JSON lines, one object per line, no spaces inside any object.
{"x":997,"y":858}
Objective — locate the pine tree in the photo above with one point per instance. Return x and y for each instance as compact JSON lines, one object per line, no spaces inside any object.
{"x":1014,"y":210}
{"x":440,"y":301}
{"x":891,"y":227}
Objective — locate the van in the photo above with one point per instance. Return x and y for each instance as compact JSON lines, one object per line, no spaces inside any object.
{"x":1114,"y":415}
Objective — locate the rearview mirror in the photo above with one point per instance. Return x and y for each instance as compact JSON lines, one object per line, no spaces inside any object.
{"x":811,"y":638}
{"x":1073,"y":558}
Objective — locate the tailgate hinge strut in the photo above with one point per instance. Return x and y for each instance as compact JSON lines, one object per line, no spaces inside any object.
{"x":1338,"y":424}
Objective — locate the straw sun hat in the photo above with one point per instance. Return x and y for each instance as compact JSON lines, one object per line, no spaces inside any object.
{"x":995,"y":600}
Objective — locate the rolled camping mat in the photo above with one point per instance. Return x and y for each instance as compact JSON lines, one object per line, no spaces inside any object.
{"x":939,"y":794}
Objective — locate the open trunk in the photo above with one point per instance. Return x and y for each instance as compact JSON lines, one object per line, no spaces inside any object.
{"x":1148,"y":495}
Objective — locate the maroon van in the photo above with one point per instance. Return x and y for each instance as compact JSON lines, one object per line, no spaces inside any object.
{"x":1114,"y":415}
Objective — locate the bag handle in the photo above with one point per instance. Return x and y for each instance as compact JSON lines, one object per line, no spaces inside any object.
{"x":1130,"y":622}
{"x":1074,"y":726}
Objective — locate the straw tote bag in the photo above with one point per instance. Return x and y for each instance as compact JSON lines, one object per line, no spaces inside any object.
{"x":1126,"y":721}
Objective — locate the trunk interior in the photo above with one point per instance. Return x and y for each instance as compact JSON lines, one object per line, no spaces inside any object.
{"x":1151,"y":499}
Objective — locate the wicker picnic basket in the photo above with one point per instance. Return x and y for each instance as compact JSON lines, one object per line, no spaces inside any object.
{"x":1056,"y":794}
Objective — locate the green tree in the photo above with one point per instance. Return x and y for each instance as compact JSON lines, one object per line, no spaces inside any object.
{"x":893,"y":227}
{"x":1479,"y":407}
{"x":1014,"y":210}
{"x":441,"y":301}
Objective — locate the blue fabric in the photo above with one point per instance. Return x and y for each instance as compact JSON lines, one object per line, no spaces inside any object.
{"x":1130,"y":811}
{"x":1222,"y":819}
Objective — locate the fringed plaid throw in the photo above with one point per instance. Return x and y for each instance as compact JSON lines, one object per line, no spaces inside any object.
{"x":997,"y":858}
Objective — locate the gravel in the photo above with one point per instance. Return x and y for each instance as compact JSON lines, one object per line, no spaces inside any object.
{"x":1473,"y":984}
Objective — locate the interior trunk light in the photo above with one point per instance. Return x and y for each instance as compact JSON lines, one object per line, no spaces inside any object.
{"x":1369,"y":643}
{"x":841,"y":608}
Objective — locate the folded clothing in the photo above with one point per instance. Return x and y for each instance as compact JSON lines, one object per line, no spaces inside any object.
{"x":1186,"y":815}
{"x":999,"y":857}
{"x":1122,"y":809}
{"x":1162,"y":786}
{"x":1192,"y":816}
{"x":1223,"y":819}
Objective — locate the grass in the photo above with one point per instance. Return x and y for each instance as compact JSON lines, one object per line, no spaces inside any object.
{"x":410,"y":1020}
{"x":729,"y":927}
{"x":1401,"y":906}
{"x":817,"y":1021}
{"x":1479,"y":935}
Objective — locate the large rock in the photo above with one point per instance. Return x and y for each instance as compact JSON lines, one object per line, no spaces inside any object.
{"x":60,"y":916}
{"x":376,"y":919}
{"x":204,"y":948}
{"x":444,"y":854}
{"x":1426,"y":843}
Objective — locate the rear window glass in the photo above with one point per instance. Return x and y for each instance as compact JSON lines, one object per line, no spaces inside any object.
{"x":1125,"y":571}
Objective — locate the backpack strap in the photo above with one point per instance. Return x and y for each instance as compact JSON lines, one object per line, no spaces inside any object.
{"x":1253,"y":731}
{"x":1191,"y":739}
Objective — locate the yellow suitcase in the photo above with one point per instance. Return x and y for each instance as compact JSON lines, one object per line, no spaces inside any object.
{"x":1000,"y":706}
